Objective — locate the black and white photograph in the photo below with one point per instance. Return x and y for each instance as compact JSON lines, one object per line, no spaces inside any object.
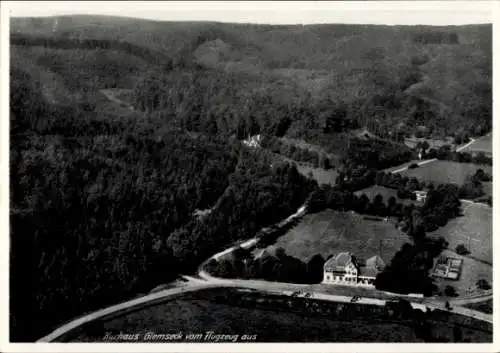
{"x":221,"y":174}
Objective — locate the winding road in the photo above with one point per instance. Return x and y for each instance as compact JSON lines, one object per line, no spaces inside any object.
{"x":459,"y":149}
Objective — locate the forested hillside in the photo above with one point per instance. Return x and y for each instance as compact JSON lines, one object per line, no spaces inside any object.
{"x":103,"y":196}
{"x":381,"y":76}
{"x":102,"y":210}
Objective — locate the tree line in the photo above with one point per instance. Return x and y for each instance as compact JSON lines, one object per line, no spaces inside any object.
{"x":279,"y":267}
{"x":436,"y":37}
{"x":444,"y":153}
{"x":151,"y":56}
{"x":296,"y":153}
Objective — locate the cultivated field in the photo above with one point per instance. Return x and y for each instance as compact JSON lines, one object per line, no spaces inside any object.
{"x":329,"y":232}
{"x":445,"y":172}
{"x":483,"y":144}
{"x":198,"y":313}
{"x":272,"y":319}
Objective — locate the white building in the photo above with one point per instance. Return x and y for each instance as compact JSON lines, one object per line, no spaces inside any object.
{"x":421,"y":195}
{"x":344,"y":269}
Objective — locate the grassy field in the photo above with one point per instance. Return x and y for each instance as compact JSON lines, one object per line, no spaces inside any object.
{"x":329,"y":232}
{"x":445,"y":171}
{"x":322,"y":176}
{"x":223,"y":312}
{"x":485,"y":307}
{"x":476,"y":223}
{"x":483,"y":144}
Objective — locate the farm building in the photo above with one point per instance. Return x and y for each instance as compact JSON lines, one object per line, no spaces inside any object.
{"x":421,"y":195}
{"x":448,"y":268}
{"x":344,"y":269}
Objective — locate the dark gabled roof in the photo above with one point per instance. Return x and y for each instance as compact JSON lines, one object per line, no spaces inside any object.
{"x":338,"y":262}
{"x":263,"y":253}
{"x":373,"y":266}
{"x":375,"y":262}
{"x":368,"y":272}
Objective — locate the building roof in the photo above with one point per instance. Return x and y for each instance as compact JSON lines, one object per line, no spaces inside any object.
{"x":339,"y":261}
{"x":368,"y":272}
{"x":264,"y":253}
{"x":375,"y":262}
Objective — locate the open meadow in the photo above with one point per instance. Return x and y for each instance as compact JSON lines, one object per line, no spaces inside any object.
{"x":322,"y":176}
{"x":445,"y":172}
{"x":329,"y":232}
{"x":476,"y":223}
{"x":482,"y":144}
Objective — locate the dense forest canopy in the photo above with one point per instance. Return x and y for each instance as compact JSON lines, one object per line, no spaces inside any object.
{"x":434,"y":76}
{"x":101,"y":211}
{"x":104,"y":197}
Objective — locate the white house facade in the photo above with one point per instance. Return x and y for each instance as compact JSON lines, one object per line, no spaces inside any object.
{"x":344,"y":269}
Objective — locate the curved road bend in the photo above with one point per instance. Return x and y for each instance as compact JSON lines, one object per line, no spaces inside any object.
{"x":115,"y":309}
{"x":193,"y":284}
